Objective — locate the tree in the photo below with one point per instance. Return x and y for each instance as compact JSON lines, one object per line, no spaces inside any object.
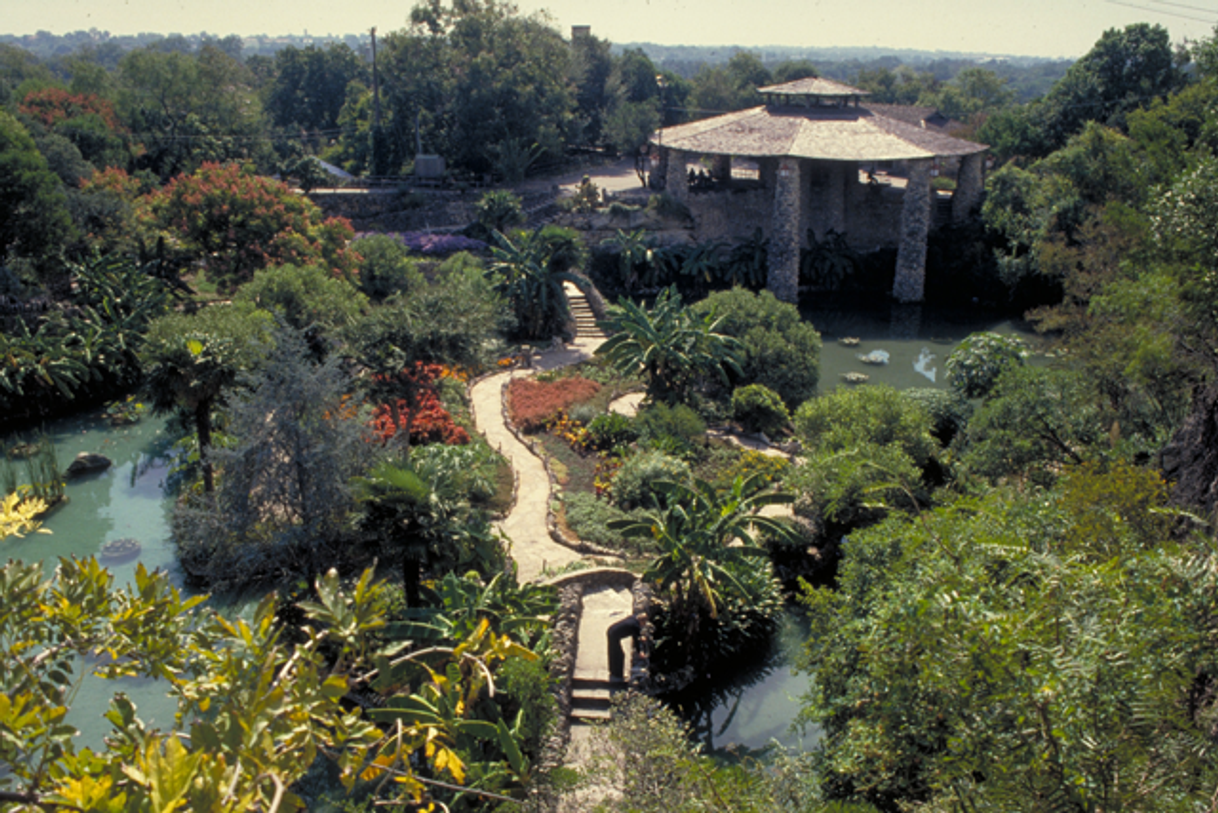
{"x":283,"y":498}
{"x":791,"y":69}
{"x":780,"y":350}
{"x":1023,"y":650}
{"x":529,"y":273}
{"x":478,"y":76}
{"x":236,"y":222}
{"x":670,"y":346}
{"x":193,"y":361}
{"x":34,"y":219}
{"x":310,"y":85}
{"x":972,"y":91}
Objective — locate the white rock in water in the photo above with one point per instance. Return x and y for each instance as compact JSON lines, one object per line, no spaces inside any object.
{"x":874,"y":357}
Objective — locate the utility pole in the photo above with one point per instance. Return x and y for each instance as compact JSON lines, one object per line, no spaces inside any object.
{"x":376,"y":86}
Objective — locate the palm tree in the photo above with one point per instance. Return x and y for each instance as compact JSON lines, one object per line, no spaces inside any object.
{"x":410,"y":506}
{"x":530,"y":272}
{"x":191,"y":361}
{"x":670,"y":346}
{"x":705,"y":538}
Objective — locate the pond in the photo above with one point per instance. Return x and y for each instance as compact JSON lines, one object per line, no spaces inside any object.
{"x":127,"y":500}
{"x":752,"y":707}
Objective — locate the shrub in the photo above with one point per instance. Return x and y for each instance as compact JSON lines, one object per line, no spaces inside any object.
{"x":588,"y":517}
{"x":499,"y":210}
{"x":304,"y":296}
{"x":948,"y":411}
{"x":610,"y":431}
{"x":878,"y":415}
{"x":666,"y":205}
{"x":678,"y":422}
{"x":781,"y":350}
{"x":385,"y":267}
{"x":975,"y":365}
{"x":531,"y":403}
{"x":632,"y":485}
{"x":430,"y":422}
{"x":750,"y":463}
{"x":759,"y":409}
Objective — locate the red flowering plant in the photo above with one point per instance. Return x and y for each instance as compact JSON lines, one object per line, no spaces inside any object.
{"x":420,"y":416}
{"x":532,"y":403}
{"x":52,"y":106}
{"x":236,"y":222}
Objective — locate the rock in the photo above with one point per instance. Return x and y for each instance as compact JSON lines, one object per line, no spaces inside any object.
{"x":117,"y":551}
{"x":856,"y":378}
{"x":87,"y":463}
{"x":849,"y":341}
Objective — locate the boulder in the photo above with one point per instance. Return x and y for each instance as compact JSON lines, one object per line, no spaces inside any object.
{"x":87,"y":463}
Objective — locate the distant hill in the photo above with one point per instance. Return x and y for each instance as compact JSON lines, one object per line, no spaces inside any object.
{"x":46,"y":45}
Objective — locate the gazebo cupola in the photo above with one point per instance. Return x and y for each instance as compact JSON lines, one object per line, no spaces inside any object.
{"x":812,"y":92}
{"x":812,"y":141}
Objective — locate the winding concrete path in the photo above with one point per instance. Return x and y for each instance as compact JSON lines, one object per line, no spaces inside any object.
{"x":525,"y":525}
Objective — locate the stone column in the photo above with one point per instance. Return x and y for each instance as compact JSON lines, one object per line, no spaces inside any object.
{"x":835,"y":196}
{"x":783,"y":279}
{"x":966,"y":200}
{"x":915,"y":223}
{"x":721,"y":168}
{"x":676,"y":181}
{"x":658,"y":174}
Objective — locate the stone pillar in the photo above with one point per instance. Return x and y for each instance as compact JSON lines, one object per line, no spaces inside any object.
{"x":835,"y":196}
{"x":915,"y":223}
{"x":676,"y":180}
{"x":721,"y":168}
{"x":658,"y":174}
{"x":966,"y":200}
{"x":783,"y":279}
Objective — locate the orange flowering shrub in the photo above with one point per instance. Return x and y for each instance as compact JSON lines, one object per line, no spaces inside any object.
{"x":430,"y":422}
{"x":532,"y":403}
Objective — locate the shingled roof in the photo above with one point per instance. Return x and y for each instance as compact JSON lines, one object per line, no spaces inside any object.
{"x":825,"y":133}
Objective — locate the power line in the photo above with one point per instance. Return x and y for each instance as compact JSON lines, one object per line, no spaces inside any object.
{"x":1211,"y":20}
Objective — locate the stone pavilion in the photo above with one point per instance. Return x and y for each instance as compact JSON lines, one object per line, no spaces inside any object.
{"x":813,"y":158}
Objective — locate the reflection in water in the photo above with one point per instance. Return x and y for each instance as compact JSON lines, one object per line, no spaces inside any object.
{"x":746,"y":708}
{"x":922,"y":365}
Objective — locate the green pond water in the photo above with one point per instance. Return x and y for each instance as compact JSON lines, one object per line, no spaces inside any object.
{"x":127,"y":500}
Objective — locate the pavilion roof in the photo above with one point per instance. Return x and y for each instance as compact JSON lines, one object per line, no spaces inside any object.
{"x":813,"y":86}
{"x":847,"y":133}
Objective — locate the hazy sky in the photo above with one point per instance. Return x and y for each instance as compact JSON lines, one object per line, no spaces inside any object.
{"x":1022,"y":27}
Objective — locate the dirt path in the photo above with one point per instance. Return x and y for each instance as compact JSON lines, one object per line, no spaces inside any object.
{"x":525,"y":525}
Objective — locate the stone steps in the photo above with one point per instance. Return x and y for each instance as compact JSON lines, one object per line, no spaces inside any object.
{"x":591,"y":698}
{"x":585,"y":321}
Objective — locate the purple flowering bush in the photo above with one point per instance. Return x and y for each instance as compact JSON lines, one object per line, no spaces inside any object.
{"x":434,"y":244}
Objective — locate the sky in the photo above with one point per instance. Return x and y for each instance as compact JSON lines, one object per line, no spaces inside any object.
{"x":1049,"y":28}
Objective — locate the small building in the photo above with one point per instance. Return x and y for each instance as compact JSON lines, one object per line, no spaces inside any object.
{"x":814,"y":157}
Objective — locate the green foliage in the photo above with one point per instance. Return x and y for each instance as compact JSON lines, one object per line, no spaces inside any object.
{"x":878,"y":415}
{"x":670,"y":346}
{"x":660,"y":423}
{"x":385,"y":267}
{"x":636,"y":482}
{"x":759,"y":409}
{"x":529,"y":272}
{"x":304,"y":297}
{"x":976,"y":364}
{"x":781,"y":351}
{"x":1035,"y":421}
{"x":949,"y":412}
{"x":610,"y":431}
{"x":826,"y":263}
{"x":588,"y":516}
{"x":34,"y":218}
{"x":282,"y":502}
{"x":1026,"y":635}
{"x":499,"y":210}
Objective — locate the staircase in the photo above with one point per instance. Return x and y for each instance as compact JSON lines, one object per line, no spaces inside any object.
{"x":585,"y":321}
{"x":591,"y":689}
